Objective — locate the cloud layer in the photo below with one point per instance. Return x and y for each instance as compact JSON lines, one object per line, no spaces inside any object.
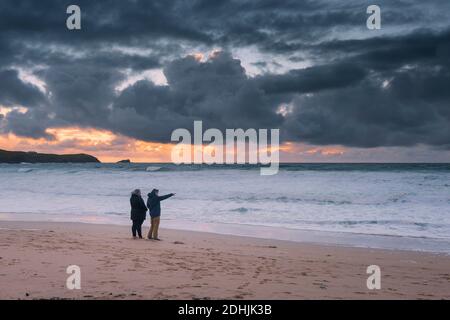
{"x":331,"y":81}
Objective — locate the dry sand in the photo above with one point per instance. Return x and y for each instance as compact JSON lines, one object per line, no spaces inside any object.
{"x":192,"y":265}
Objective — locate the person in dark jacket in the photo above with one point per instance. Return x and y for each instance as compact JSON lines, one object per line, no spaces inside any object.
{"x":153,"y":204}
{"x":138,"y":212}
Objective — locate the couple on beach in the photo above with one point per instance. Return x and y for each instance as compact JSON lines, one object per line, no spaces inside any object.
{"x":139,"y":212}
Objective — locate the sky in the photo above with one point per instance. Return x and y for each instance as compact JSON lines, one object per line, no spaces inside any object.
{"x":137,"y":70}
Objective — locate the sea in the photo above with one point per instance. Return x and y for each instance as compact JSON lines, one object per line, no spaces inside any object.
{"x":389,"y":206}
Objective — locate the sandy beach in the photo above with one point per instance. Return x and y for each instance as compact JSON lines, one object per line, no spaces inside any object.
{"x":195,"y":265}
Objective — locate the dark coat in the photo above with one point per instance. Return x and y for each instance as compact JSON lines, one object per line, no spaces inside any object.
{"x":153,"y":203}
{"x":138,"y":208}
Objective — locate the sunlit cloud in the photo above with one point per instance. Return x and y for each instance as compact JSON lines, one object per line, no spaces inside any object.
{"x":198,"y":56}
{"x":5,"y":110}
{"x":103,"y":144}
{"x":326,"y":151}
{"x":28,"y":76}
{"x":154,"y":75}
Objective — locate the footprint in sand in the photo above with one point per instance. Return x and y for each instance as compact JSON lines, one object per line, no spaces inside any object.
{"x":446,"y":276}
{"x":243,"y":286}
{"x":321,"y":285}
{"x":257,"y":272}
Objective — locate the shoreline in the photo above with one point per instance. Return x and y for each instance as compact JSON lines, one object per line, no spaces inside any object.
{"x":202,"y":265}
{"x":319,"y":237}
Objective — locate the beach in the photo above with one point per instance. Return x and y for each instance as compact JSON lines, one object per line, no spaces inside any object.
{"x":34,"y":257}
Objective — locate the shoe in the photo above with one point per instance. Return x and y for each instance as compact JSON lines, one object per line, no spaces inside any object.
{"x":157,"y":239}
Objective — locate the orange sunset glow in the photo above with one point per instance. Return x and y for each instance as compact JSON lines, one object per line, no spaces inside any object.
{"x":110,"y":147}
{"x":103,"y":144}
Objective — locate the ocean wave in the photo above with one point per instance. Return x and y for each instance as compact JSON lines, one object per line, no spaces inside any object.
{"x":73,"y":171}
{"x":314,"y":200}
{"x":115,"y":213}
{"x":431,"y":169}
{"x":400,"y":197}
{"x":422,"y":225}
{"x":286,"y":199}
{"x":153,"y":168}
{"x":244,"y":209}
{"x":241,"y":210}
{"x":396,"y":198}
{"x":158,"y":169}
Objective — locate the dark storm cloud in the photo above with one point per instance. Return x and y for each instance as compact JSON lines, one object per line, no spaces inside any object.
{"x":16,"y":92}
{"x":403,"y":101}
{"x":313,"y":79}
{"x":217,"y":92}
{"x":362,"y":88}
{"x":413,"y":108}
{"x":32,"y":124}
{"x":81,"y":94}
{"x":289,"y":26}
{"x":106,"y":21}
{"x":284,"y":27}
{"x":386,"y":53}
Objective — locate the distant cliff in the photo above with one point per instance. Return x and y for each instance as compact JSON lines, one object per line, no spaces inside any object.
{"x":34,"y":157}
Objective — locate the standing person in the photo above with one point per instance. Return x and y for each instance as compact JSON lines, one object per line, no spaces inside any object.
{"x":153,"y":204}
{"x":138,"y":213}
